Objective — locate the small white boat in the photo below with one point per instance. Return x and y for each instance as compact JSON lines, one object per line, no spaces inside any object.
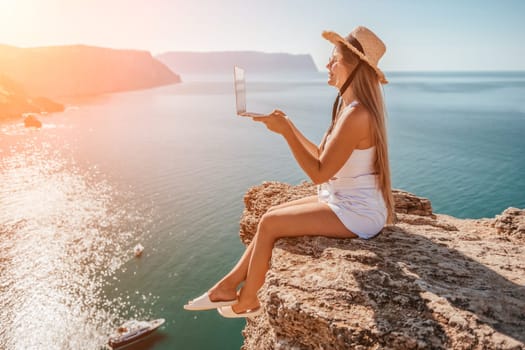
{"x":138,"y":249}
{"x":133,"y":331}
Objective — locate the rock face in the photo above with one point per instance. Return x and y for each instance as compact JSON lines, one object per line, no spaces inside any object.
{"x":57,"y":71}
{"x":431,"y":281}
{"x":14,"y":101}
{"x":32,"y":121}
{"x":223,"y":62}
{"x":511,"y":223}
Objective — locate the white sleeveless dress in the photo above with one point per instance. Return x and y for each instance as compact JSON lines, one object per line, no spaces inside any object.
{"x":353,"y":194}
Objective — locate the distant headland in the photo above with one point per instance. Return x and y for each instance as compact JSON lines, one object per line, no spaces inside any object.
{"x":74,"y":70}
{"x":56,"y":72}
{"x":222,"y":62}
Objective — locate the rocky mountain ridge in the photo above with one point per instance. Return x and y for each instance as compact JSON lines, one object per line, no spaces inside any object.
{"x":76,"y":70}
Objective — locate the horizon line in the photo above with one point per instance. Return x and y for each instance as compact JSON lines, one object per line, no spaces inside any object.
{"x":419,"y":70}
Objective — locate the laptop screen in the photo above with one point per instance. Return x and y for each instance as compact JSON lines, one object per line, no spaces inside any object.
{"x":240,"y":89}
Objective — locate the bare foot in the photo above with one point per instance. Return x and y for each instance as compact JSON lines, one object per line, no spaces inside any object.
{"x":222,"y":292}
{"x":245,"y":303}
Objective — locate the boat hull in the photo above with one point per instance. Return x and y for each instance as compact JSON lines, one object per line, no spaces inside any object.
{"x":120,"y":344}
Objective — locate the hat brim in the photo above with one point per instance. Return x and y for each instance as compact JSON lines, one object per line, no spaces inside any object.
{"x":335,"y":38}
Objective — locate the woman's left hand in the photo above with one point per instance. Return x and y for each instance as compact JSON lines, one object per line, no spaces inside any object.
{"x":277,"y":121}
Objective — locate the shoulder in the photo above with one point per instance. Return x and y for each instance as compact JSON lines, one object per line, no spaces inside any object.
{"x":355,"y":117}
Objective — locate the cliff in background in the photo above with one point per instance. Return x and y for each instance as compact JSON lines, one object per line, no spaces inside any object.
{"x":82,"y":70}
{"x":432,"y":281}
{"x":14,"y":102}
{"x":223,"y":62}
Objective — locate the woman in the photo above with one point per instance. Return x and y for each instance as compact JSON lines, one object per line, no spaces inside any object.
{"x":350,"y":167}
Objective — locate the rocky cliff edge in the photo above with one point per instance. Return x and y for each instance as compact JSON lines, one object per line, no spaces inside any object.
{"x":431,"y":281}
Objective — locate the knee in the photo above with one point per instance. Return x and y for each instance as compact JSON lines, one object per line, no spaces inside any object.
{"x":272,"y":208}
{"x":268,"y":226}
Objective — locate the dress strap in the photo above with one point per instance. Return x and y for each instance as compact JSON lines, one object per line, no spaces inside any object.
{"x":353,"y":103}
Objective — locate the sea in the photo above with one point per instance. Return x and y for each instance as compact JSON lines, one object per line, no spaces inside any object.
{"x":168,"y":167}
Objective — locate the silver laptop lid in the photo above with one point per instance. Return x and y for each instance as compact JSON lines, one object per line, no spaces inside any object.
{"x":240,"y":89}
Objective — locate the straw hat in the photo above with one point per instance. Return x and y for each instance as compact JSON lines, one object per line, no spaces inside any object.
{"x":365,"y":44}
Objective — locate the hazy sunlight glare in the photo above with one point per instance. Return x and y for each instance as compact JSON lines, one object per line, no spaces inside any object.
{"x":63,"y":237}
{"x":13,"y":12}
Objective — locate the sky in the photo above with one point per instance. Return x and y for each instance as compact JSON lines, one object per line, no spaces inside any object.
{"x":445,"y":35}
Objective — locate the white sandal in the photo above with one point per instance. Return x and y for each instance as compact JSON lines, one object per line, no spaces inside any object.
{"x":227,"y":311}
{"x":204,"y":303}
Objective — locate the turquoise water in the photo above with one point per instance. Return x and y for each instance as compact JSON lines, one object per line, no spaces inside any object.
{"x":168,"y":167}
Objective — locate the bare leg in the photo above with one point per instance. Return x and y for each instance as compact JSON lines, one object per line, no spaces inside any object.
{"x":308,"y":219}
{"x":226,"y":288}
{"x":305,"y":200}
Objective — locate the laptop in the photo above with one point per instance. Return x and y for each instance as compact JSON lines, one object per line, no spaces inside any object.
{"x":240,"y":94}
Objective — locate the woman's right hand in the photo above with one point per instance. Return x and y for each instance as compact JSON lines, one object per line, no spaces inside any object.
{"x":277,"y":121}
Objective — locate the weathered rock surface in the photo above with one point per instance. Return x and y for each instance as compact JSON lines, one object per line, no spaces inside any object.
{"x":511,"y":223}
{"x":431,"y":281}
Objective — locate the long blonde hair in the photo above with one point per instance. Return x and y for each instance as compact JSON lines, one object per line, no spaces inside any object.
{"x":367,"y":90}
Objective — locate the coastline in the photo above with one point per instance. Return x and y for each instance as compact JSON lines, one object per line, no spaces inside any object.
{"x":192,"y":225}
